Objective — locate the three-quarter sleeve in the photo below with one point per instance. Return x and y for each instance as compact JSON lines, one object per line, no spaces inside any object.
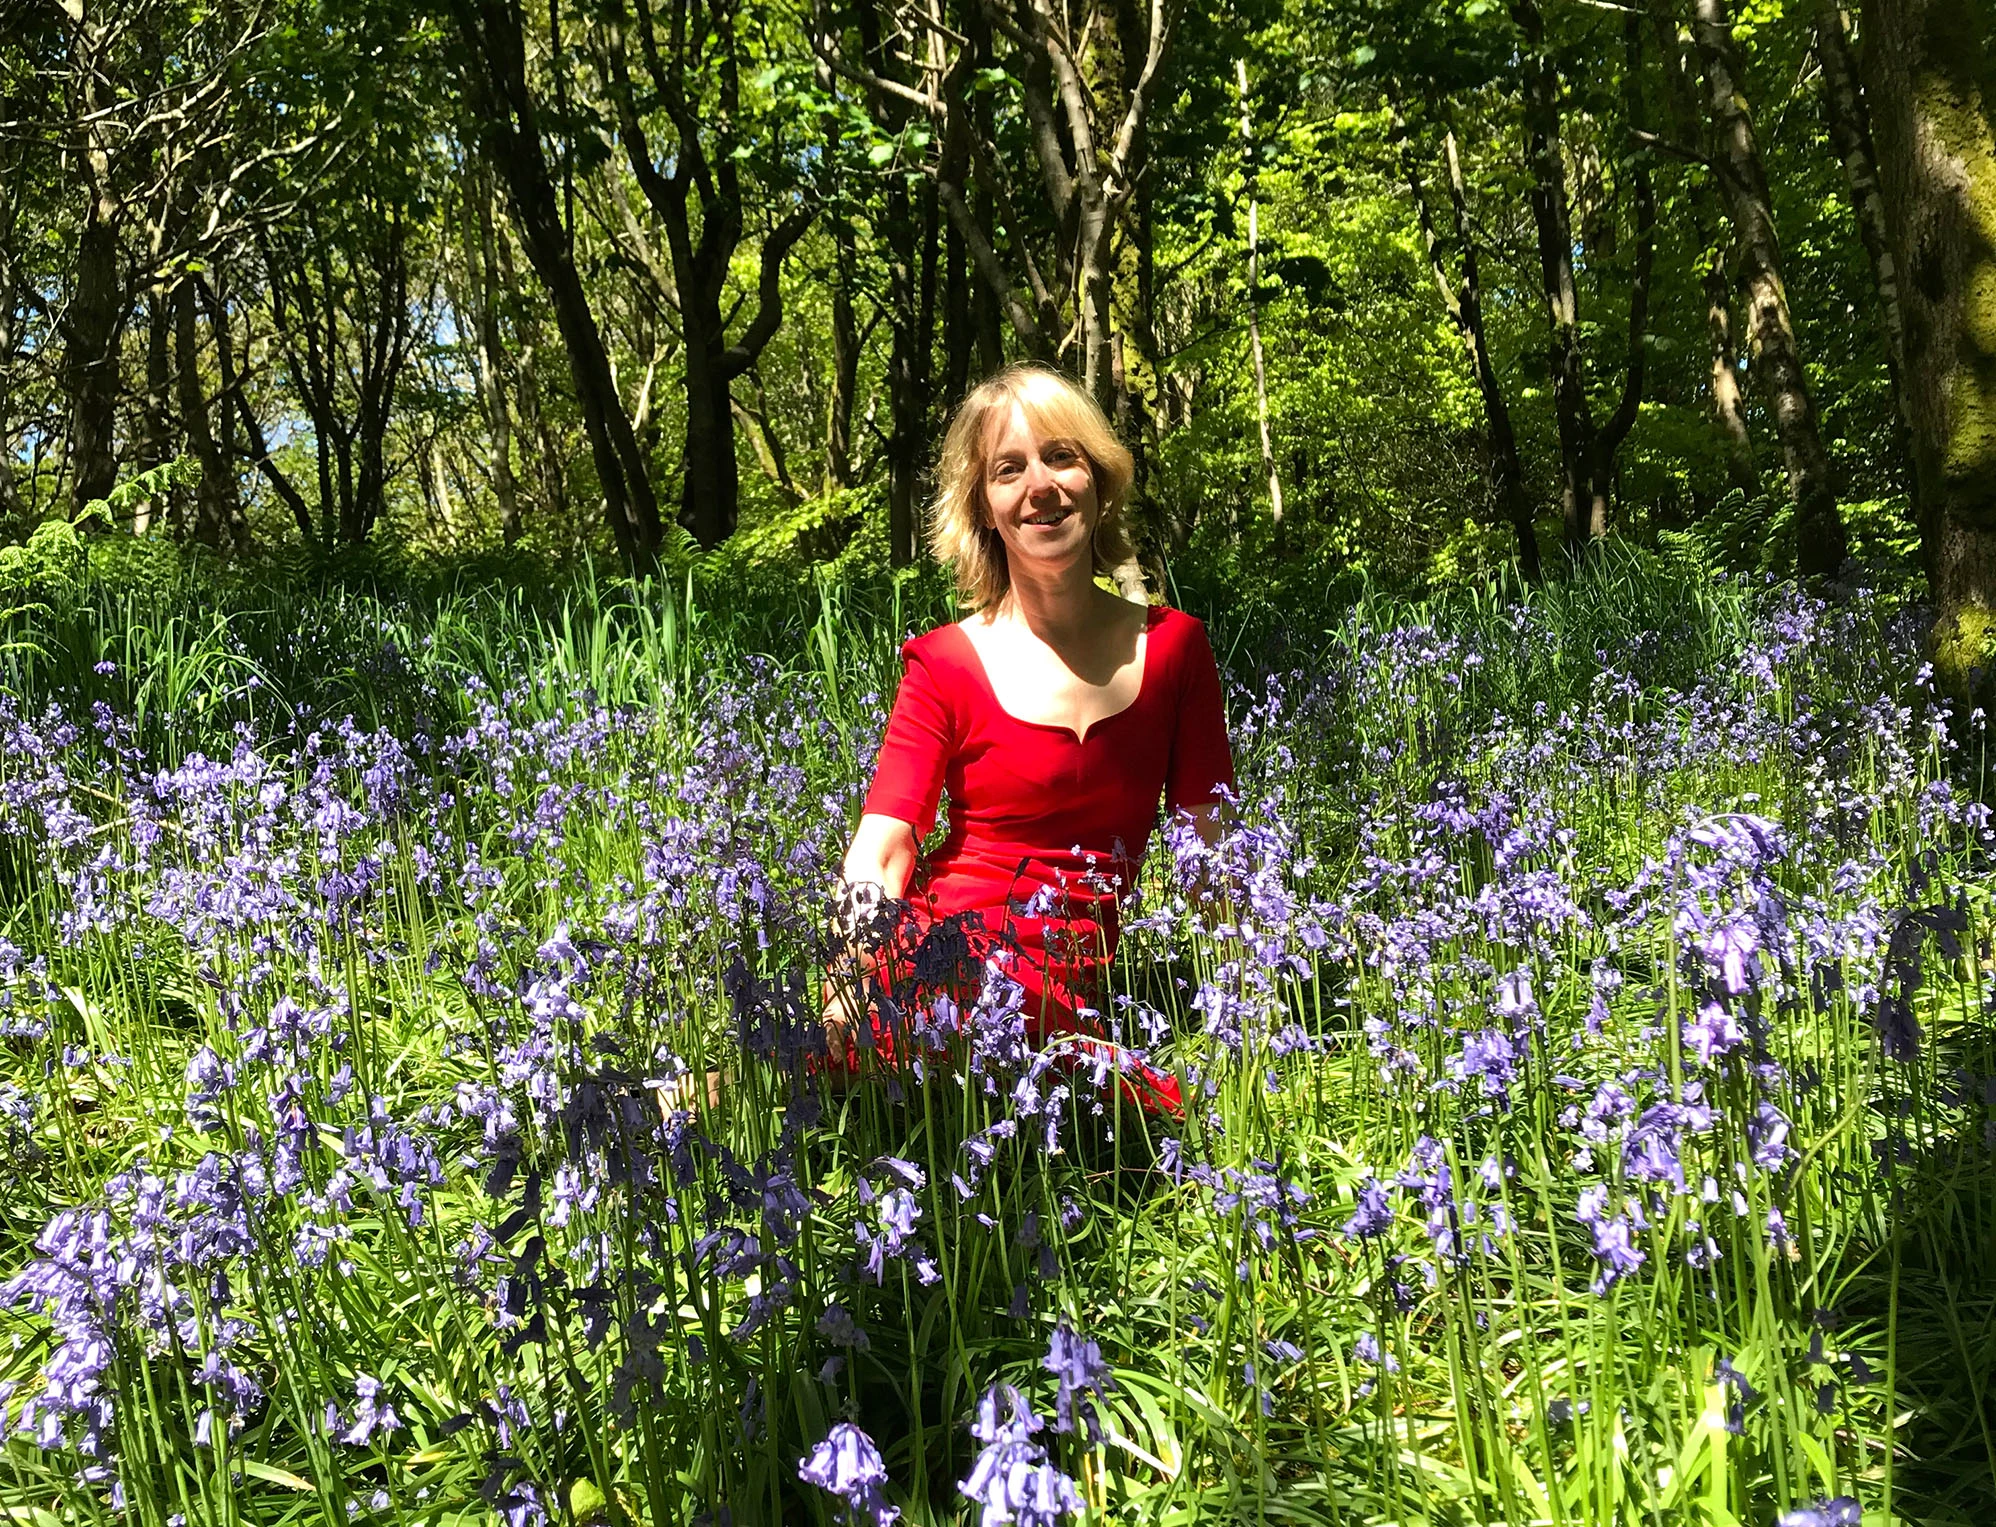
{"x":1201,"y":759}
{"x":915,"y":752}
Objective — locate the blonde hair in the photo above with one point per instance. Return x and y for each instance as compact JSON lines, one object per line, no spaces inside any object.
{"x":1057,"y":409}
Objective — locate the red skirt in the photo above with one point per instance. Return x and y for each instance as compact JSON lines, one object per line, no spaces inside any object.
{"x":1031,"y":993}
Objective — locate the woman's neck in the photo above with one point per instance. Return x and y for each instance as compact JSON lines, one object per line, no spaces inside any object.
{"x":1058,"y":608}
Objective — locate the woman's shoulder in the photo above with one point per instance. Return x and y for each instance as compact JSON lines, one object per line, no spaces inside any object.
{"x":941,"y":648}
{"x":1175,"y":632}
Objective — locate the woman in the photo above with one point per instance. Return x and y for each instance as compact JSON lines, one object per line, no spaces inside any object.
{"x":1056,"y":714}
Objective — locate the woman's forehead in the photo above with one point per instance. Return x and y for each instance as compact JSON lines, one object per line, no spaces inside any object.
{"x":1017,"y":422}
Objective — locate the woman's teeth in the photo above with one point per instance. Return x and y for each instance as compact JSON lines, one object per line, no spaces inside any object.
{"x":1048,"y":519}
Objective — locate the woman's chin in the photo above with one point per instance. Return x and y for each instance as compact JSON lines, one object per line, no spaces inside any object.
{"x":1050,"y":552}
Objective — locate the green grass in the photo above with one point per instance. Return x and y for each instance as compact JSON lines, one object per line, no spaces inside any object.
{"x":1439,"y":799}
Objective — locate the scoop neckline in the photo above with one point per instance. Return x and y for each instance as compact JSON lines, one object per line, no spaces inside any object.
{"x":1080,"y":738}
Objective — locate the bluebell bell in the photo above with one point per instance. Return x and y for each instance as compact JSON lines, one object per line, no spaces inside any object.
{"x":1078,"y":1368}
{"x":372,"y":1415}
{"x":848,"y":1465}
{"x":1012,"y":1483}
{"x":1374,"y":1216}
{"x":1833,"y":1511}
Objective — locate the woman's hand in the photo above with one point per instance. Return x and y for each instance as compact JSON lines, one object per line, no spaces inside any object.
{"x":1209,"y":824}
{"x":878,"y":866}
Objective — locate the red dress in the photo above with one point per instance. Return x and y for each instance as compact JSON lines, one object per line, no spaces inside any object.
{"x":1046,"y":829}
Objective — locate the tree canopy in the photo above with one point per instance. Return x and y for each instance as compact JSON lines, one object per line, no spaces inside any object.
{"x":1401,"y":286}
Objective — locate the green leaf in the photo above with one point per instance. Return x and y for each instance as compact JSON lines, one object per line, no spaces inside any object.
{"x":270,"y":1474}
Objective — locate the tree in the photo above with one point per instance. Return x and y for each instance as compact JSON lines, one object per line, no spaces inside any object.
{"x":1682,"y":75}
{"x":1930,"y":74}
{"x":1849,"y":122}
{"x":693,"y":69}
{"x":341,"y":304}
{"x":494,"y":64}
{"x":162,"y":114}
{"x":1248,"y":159}
{"x":1587,"y":448}
{"x":1776,"y":354}
{"x":1462,"y":296}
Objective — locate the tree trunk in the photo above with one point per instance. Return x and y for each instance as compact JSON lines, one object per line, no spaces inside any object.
{"x":1583,"y":500}
{"x":845,"y":360}
{"x":959,"y":339}
{"x":95,"y":320}
{"x":1777,"y":358}
{"x":90,"y":362}
{"x":703,"y":160}
{"x":384,"y":341}
{"x":495,"y":53}
{"x":1248,"y":153}
{"x":1728,"y":403}
{"x":1463,"y":299}
{"x":1136,"y":285}
{"x":156,"y":443}
{"x":550,"y":468}
{"x":1850,"y":134}
{"x":845,"y":278}
{"x":710,"y":482}
{"x":10,"y":312}
{"x":235,"y":393}
{"x":484,"y":274}
{"x":211,"y":498}
{"x":907,"y":365}
{"x":1682,"y":77}
{"x":1930,"y":69}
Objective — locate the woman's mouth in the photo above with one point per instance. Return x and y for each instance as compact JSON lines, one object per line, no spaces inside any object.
{"x":1049,"y":517}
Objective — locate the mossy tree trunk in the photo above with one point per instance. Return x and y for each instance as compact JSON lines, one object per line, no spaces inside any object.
{"x":1777,"y":358}
{"x":1930,"y":74}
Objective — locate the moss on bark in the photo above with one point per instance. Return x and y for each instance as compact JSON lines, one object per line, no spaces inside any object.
{"x":1963,"y":646}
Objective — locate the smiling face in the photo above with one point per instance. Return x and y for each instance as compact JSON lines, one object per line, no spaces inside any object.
{"x":1039,"y":494}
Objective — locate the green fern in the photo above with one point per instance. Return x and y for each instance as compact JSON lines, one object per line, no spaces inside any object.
{"x":50,"y":570}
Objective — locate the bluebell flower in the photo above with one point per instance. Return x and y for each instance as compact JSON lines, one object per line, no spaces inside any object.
{"x":836,"y":1325}
{"x":1012,"y":1483}
{"x":1713,"y":1032}
{"x":1767,"y":1136}
{"x":1077,"y":1365}
{"x":1833,"y":1511}
{"x":1374,"y":1216}
{"x":1491,"y":1059}
{"x":1614,"y":1251}
{"x":372,"y":1415}
{"x":848,"y":1465}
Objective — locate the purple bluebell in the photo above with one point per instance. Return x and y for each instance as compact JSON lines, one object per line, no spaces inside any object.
{"x":372,"y":1415}
{"x":1081,"y":1374}
{"x":1012,"y":1482}
{"x":1374,"y":1215}
{"x":1712,"y":1033}
{"x":848,"y":1465}
{"x":1615,"y":1254}
{"x":1832,"y":1511}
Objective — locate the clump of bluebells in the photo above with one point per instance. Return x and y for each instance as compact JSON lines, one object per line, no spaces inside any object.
{"x":437,"y":1118}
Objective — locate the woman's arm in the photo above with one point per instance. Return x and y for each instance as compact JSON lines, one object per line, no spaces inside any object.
{"x":878,"y":866}
{"x":1208,"y":822}
{"x":883,"y":854}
